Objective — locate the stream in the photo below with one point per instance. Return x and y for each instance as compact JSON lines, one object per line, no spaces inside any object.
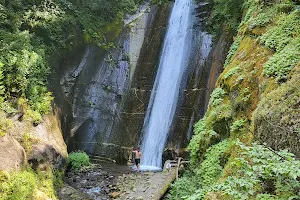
{"x":104,"y":181}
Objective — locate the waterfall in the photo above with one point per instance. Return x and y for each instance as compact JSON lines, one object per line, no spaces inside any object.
{"x":164,"y":96}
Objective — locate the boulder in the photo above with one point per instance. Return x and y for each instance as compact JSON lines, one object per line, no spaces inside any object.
{"x":12,"y":154}
{"x":115,"y":195}
{"x":44,"y":143}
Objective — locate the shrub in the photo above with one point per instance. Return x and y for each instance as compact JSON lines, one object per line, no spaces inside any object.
{"x":78,"y":160}
{"x":5,"y":124}
{"x":184,"y":187}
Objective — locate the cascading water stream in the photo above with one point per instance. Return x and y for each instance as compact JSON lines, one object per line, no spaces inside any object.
{"x":164,"y":97}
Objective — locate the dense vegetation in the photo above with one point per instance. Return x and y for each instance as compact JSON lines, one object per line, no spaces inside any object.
{"x":78,"y":160}
{"x":255,"y":106}
{"x":223,"y":15}
{"x":33,"y":31}
{"x":30,"y":184}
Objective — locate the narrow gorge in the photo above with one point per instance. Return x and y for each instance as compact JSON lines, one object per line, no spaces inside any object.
{"x":214,"y":83}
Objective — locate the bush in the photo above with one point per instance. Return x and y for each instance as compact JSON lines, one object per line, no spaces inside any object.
{"x":78,"y":160}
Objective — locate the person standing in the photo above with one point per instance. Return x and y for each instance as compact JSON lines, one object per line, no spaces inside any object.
{"x":137,"y":159}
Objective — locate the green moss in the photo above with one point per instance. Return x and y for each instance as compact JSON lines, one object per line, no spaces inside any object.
{"x":27,"y":142}
{"x":233,"y":48}
{"x":20,"y":185}
{"x":5,"y":124}
{"x":231,"y":72}
{"x":29,"y":184}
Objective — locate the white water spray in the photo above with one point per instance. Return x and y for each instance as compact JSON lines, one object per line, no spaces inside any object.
{"x":164,"y":97}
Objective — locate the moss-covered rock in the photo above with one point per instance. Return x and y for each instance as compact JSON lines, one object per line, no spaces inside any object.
{"x":256,"y":99}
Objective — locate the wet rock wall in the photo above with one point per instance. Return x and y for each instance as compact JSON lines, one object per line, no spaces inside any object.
{"x":96,"y":89}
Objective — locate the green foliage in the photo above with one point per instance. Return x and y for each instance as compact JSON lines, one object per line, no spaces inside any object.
{"x":224,"y":12}
{"x":250,"y":7}
{"x":25,"y":184}
{"x":200,"y":178}
{"x":232,"y":71}
{"x":2,"y":88}
{"x":216,"y":97}
{"x":219,"y":115}
{"x":32,"y":31}
{"x":261,"y":171}
{"x":78,"y":160}
{"x":280,"y":107}
{"x":27,"y":142}
{"x":23,"y":70}
{"x":264,"y":16}
{"x":286,"y":29}
{"x":20,"y":185}
{"x":194,"y":145}
{"x":211,"y":168}
{"x":283,"y":37}
{"x":5,"y":124}
{"x":159,"y":2}
{"x":281,"y":63}
{"x":238,"y":126}
{"x":184,"y":187}
{"x":200,"y":142}
{"x":242,"y":101}
{"x":233,"y":48}
{"x":258,"y":173}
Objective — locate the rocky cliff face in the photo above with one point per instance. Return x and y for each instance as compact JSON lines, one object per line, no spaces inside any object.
{"x":205,"y":66}
{"x":41,"y":145}
{"x":104,"y":94}
{"x":98,"y":90}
